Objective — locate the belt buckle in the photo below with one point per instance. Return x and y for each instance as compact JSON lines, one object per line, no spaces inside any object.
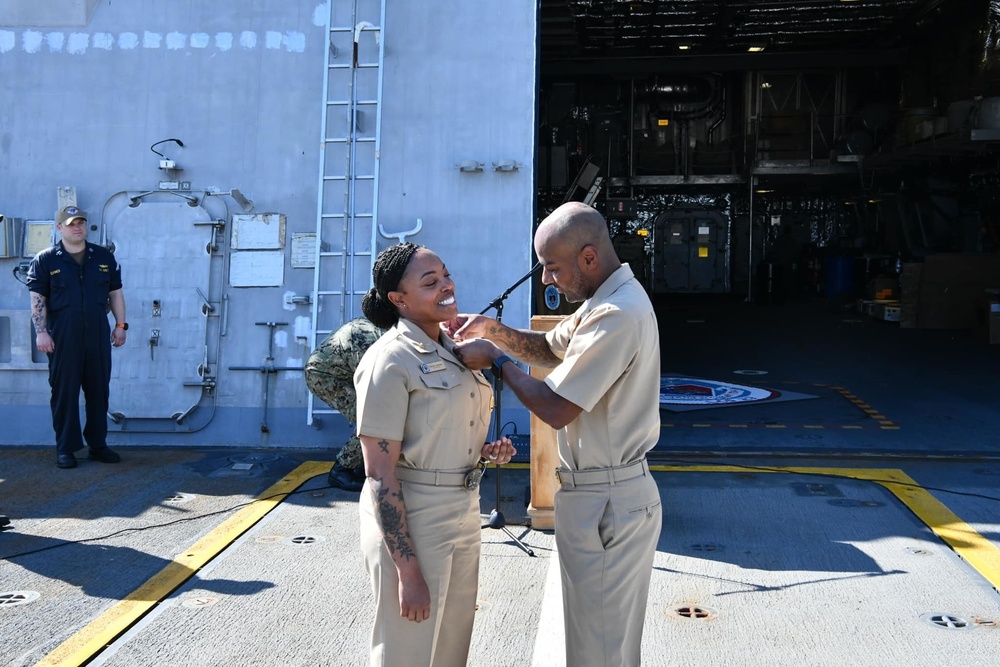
{"x":473,"y":477}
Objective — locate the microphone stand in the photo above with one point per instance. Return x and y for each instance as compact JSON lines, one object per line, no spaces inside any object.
{"x":497,"y":519}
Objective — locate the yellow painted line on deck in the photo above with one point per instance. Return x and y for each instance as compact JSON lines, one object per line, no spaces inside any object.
{"x":90,"y":640}
{"x":85,"y":644}
{"x":886,"y":423}
{"x":970,"y":546}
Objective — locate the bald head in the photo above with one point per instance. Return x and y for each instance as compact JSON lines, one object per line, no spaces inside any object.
{"x":575,"y":224}
{"x":575,"y":249}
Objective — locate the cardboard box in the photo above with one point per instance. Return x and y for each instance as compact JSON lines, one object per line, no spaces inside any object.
{"x":890,"y":311}
{"x":909,"y":288}
{"x":987,"y":311}
{"x":951,"y":287}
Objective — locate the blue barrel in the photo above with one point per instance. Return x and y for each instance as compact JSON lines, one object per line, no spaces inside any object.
{"x":839,"y":277}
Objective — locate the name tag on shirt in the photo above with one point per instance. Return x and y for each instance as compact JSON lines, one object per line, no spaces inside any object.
{"x":432,"y":367}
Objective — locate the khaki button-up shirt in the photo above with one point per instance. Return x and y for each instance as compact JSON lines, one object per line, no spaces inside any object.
{"x":610,"y":349}
{"x":411,"y":388}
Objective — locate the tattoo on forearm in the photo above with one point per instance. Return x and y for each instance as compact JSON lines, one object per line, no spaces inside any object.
{"x":39,"y":313}
{"x":384,"y":446}
{"x":530,"y":347}
{"x":390,"y":519}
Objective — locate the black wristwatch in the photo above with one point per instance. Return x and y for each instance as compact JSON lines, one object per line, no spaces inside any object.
{"x":498,"y":365}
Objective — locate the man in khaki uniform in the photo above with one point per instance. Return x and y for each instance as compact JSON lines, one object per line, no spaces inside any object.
{"x":602,"y":397}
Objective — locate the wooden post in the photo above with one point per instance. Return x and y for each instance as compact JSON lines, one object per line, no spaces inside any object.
{"x":544,"y":453}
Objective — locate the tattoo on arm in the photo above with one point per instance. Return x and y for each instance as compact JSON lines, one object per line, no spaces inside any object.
{"x":39,"y":313}
{"x":389,"y":513}
{"x":528,"y":346}
{"x":384,"y":446}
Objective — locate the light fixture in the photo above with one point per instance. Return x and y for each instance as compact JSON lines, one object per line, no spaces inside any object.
{"x":165,"y":162}
{"x":469,"y":167}
{"x":506,"y":166}
{"x":756,"y":48}
{"x":765,"y":85}
{"x":763,"y":192}
{"x":683,"y":46}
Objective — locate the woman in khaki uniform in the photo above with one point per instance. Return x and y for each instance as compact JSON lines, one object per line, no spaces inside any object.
{"x":422,"y":419}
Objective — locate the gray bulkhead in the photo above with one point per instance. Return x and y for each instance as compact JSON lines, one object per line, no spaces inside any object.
{"x":216,"y":251}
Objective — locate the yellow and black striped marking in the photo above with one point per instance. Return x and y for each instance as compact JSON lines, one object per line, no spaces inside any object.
{"x":884,"y":422}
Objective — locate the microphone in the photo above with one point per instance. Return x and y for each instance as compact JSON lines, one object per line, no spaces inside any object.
{"x":498,"y":302}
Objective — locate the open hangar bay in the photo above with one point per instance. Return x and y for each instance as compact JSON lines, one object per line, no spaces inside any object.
{"x":808,"y":190}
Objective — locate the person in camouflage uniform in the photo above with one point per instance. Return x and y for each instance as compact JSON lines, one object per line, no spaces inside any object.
{"x":330,"y":377}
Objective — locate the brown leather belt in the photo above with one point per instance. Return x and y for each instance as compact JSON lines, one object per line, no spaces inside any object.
{"x":573,"y":478}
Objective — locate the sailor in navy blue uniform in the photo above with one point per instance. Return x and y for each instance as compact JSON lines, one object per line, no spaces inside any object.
{"x":73,"y":285}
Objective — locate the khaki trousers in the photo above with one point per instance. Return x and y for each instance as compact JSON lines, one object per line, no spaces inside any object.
{"x":444,"y":525}
{"x":606,"y":536}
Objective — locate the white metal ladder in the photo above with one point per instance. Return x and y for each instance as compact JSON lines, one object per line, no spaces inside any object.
{"x":347,"y":201}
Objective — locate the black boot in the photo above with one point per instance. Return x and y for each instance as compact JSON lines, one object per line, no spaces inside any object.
{"x":345,"y":478}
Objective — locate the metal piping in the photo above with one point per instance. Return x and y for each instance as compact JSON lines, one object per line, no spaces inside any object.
{"x":136,"y":199}
{"x":722,"y":117}
{"x":750,"y":243}
{"x":378,"y":140}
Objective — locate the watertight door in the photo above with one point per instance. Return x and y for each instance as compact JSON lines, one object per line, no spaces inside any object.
{"x":163,"y":249}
